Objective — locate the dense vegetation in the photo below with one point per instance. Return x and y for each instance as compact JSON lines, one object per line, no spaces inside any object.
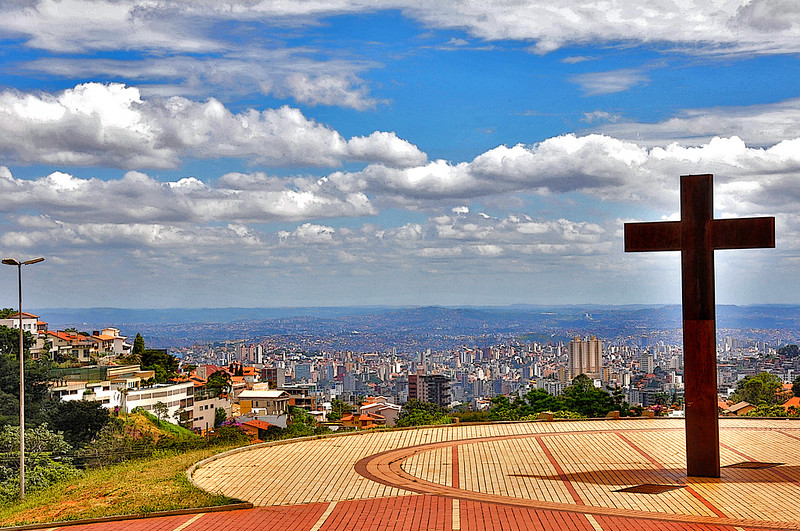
{"x":419,"y":413}
{"x":762,"y":389}
{"x":579,"y":400}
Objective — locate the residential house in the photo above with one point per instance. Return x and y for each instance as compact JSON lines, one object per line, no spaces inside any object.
{"x":302,"y":395}
{"x":69,"y":345}
{"x":206,"y":407}
{"x":271,"y":401}
{"x":739,"y":409}
{"x":30,"y":322}
{"x":362,"y":421}
{"x":257,"y":429}
{"x":107,"y":384}
{"x":109,"y":342}
{"x":381,"y":406}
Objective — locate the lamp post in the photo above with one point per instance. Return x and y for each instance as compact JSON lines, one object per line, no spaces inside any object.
{"x":14,"y":262}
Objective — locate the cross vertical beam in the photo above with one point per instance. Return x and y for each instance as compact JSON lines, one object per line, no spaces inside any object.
{"x":697,"y":235}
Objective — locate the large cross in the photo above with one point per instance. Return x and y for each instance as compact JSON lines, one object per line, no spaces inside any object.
{"x":697,"y":235}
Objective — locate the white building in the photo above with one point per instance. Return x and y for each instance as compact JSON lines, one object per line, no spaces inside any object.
{"x":30,"y":322}
{"x":204,"y":411}
{"x":174,"y":396}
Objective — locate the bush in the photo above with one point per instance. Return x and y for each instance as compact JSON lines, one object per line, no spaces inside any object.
{"x":419,"y":413}
{"x":41,"y":469}
{"x":566,"y":414}
{"x":472,"y":416}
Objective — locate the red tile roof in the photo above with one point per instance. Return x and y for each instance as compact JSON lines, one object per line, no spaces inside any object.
{"x":255,"y":423}
{"x":792,"y":402}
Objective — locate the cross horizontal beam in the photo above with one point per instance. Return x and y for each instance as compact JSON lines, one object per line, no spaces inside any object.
{"x":746,"y":233}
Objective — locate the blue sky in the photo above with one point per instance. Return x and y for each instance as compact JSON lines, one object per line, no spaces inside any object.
{"x":340,"y":153}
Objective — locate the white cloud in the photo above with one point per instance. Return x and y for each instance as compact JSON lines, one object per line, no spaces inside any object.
{"x":761,"y":26}
{"x":760,"y":125}
{"x":696,"y":26}
{"x":385,"y":147}
{"x":309,"y":233}
{"x":138,"y":198}
{"x":596,"y":83}
{"x":280,"y":72}
{"x":55,"y":236}
{"x":599,"y":116}
{"x":598,"y":166}
{"x":112,"y":125}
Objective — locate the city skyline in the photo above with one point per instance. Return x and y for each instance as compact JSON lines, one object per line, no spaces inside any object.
{"x":391,"y":153}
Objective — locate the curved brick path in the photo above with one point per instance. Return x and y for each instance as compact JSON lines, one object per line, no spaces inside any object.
{"x":555,"y":475}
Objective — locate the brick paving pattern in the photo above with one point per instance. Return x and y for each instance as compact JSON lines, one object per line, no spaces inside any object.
{"x":516,"y":476}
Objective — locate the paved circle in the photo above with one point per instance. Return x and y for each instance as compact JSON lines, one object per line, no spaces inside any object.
{"x":552,"y":470}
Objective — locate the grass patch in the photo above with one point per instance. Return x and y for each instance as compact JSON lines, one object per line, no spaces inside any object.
{"x":157,"y":483}
{"x":168,"y":427}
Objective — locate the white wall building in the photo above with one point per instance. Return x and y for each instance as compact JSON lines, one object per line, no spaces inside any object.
{"x":174,"y":396}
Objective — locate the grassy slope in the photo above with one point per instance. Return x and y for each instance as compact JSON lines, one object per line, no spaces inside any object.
{"x":139,"y":486}
{"x":136,"y":487}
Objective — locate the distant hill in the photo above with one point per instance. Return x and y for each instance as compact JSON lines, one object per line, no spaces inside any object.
{"x":372,"y":328}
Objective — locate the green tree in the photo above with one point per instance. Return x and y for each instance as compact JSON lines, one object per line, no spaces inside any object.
{"x":36,"y":378}
{"x":661,"y":399}
{"x":584,"y":398}
{"x":530,"y":404}
{"x":42,"y":447}
{"x":160,"y":411}
{"x":79,"y":420}
{"x":138,"y":346}
{"x":503,"y":409}
{"x":218,"y":382}
{"x":762,"y":388}
{"x":790,"y":351}
{"x":620,"y":404}
{"x":220,"y":416}
{"x":772,"y":410}
{"x":9,"y":341}
{"x":339,"y":408}
{"x":164,"y":364}
{"x":418,"y":413}
{"x":796,"y":386}
{"x":540,"y":400}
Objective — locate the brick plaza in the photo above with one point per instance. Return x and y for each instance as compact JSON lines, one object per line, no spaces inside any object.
{"x":515,"y":476}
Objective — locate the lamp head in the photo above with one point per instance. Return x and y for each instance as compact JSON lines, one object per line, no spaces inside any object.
{"x":11,"y":261}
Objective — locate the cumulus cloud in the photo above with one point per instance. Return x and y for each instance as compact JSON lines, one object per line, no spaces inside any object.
{"x":48,"y":233}
{"x":742,"y":26}
{"x":281,"y":72}
{"x":596,"y":165}
{"x":112,"y":125}
{"x":760,"y":26}
{"x":138,"y":198}
{"x":759,"y":125}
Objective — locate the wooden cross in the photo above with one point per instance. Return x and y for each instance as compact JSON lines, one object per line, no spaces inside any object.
{"x":696,"y":236}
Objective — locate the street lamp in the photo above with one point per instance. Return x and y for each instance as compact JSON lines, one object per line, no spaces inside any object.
{"x":13,"y":262}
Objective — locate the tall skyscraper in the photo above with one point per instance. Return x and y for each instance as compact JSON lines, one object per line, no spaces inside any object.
{"x":647,"y":363}
{"x":586,"y":357}
{"x":433,"y":388}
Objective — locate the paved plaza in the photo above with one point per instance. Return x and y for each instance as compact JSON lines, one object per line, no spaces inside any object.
{"x":540,"y":475}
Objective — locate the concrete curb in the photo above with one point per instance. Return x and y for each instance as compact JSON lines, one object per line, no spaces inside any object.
{"x":118,"y":518}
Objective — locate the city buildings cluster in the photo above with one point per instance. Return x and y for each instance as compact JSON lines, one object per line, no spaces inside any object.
{"x":268,"y":377}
